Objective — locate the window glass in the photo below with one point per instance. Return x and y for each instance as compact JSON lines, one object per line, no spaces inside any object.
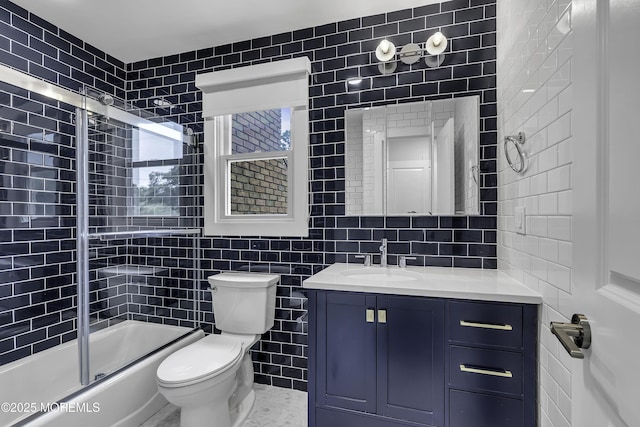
{"x":259,"y":187}
{"x":261,"y":131}
{"x":155,"y":173}
{"x":149,"y":146}
{"x":156,"y":191}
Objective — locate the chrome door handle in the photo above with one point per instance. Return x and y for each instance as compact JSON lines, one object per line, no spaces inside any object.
{"x":573,"y":336}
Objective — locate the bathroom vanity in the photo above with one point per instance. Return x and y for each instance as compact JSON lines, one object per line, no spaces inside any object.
{"x":415,"y":346}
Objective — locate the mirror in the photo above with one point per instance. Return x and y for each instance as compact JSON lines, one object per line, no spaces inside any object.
{"x":418,"y":158}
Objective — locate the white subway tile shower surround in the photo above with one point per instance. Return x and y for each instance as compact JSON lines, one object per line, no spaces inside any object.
{"x":534,"y":96}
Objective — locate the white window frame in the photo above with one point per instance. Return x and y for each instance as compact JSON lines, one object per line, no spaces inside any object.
{"x":249,"y":89}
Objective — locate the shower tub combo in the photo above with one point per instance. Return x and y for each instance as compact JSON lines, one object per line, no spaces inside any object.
{"x":124,"y":398}
{"x":126,"y":299}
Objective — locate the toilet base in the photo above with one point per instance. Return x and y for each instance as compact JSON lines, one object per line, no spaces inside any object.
{"x":242,"y":411}
{"x":192,"y":417}
{"x":216,"y":411}
{"x":215,"y":415}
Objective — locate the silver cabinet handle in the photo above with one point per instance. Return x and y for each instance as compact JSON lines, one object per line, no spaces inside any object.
{"x":573,"y":336}
{"x":382,"y":316}
{"x":503,"y":374}
{"x":486,"y":326}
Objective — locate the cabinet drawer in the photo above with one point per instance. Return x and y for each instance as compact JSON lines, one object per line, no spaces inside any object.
{"x":486,"y":324}
{"x":486,"y":370}
{"x":330,"y":417}
{"x":468,"y":409}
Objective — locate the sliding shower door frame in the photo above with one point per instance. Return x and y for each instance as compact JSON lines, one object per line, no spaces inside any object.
{"x":84,"y":105}
{"x":82,"y":241}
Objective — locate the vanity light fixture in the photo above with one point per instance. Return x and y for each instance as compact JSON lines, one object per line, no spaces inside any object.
{"x":436,"y":44}
{"x":385,"y":51}
{"x":411,"y":53}
{"x":435,"y":47}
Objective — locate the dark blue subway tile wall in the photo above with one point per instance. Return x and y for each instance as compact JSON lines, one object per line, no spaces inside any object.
{"x":38,"y":200}
{"x":337,"y":52}
{"x":37,"y":220}
{"x":32,"y":45}
{"x":38,"y":300}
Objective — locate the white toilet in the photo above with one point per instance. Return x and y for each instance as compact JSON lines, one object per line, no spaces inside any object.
{"x":211,"y":380}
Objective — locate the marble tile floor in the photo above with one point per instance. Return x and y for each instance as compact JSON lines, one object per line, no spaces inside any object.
{"x":274,"y":407}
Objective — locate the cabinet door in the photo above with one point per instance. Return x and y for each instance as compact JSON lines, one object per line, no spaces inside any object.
{"x":346,"y":351}
{"x":411,"y":359}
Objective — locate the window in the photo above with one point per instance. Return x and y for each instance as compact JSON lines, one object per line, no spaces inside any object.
{"x":256,"y":149}
{"x":155,"y":174}
{"x":259,"y":186}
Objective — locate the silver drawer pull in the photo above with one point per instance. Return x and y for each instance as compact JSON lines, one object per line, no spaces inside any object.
{"x":486,"y":326}
{"x":503,"y":374}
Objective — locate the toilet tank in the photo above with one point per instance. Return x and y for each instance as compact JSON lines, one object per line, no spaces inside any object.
{"x":244,"y":303}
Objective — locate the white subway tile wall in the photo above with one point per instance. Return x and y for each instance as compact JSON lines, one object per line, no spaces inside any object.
{"x":534,"y":96}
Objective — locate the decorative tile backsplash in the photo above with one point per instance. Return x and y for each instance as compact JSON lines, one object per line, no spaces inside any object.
{"x":338,"y":51}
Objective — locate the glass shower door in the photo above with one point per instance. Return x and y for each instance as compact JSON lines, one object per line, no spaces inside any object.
{"x":38,"y":293}
{"x":141,"y":247}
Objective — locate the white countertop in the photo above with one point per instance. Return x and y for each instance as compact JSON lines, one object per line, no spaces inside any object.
{"x":441,"y":282}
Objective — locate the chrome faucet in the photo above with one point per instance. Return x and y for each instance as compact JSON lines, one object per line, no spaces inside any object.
{"x":383,"y":253}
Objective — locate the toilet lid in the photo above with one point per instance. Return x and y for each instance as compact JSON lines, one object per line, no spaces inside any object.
{"x":204,"y":358}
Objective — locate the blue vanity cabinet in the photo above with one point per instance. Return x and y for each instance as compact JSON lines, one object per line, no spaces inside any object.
{"x":378,"y":360}
{"x":375,"y":360}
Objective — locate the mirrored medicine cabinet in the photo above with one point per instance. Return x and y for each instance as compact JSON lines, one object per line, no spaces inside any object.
{"x":418,"y":158}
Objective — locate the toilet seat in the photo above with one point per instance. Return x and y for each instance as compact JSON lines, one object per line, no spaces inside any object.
{"x":200,"y":361}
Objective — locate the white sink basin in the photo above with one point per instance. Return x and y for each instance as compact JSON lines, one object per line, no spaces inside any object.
{"x":381,"y":274}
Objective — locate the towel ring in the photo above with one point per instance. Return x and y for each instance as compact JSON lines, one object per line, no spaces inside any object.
{"x":518,"y":140}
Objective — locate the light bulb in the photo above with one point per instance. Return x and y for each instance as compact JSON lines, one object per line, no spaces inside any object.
{"x":384,"y":46}
{"x":437,"y":38}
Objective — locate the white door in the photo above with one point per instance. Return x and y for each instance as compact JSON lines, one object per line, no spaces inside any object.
{"x":606,"y":227}
{"x":407,"y":189}
{"x":408,"y":175}
{"x":443,"y":171}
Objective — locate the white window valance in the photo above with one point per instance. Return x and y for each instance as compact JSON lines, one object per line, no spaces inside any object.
{"x":258,"y":87}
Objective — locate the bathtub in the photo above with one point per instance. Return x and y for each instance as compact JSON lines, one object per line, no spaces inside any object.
{"x":49,"y":380}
